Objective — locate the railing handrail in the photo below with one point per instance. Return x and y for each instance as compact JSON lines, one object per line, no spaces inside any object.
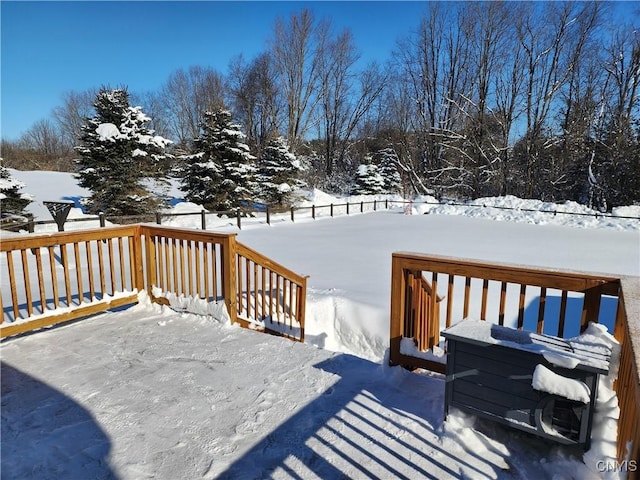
{"x":257,"y":257}
{"x":35,"y":240}
{"x":573,"y":280}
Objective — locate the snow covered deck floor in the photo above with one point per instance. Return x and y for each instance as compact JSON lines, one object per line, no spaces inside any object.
{"x":150,"y":393}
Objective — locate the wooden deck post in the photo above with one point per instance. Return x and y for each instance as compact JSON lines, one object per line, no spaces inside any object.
{"x":397,"y":311}
{"x":229,"y":273}
{"x":138,"y":275}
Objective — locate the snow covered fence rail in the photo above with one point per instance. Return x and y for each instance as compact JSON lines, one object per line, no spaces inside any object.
{"x":76,"y":274}
{"x":429,"y":293}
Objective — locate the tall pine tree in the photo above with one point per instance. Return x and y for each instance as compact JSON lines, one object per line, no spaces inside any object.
{"x":278,"y":173}
{"x":117,"y":152}
{"x":368,"y":179}
{"x":219,"y":175}
{"x":388,"y":170}
{"x":12,"y":202}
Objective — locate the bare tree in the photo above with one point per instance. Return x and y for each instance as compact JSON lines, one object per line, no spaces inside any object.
{"x":296,"y":48}
{"x":257,"y":99}
{"x":553,"y":41}
{"x":346,"y":94}
{"x":70,"y":116}
{"x":186,"y":95}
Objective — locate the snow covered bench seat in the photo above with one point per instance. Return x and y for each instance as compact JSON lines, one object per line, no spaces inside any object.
{"x":537,"y":383}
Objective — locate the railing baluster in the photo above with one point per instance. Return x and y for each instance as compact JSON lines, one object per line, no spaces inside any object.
{"x":54,"y":276}
{"x":450,"y":299}
{"x":205,"y":268}
{"x":247,"y":267}
{"x":255,"y":289}
{"x":541,"y":307}
{"x":112,"y":266}
{"x":43,"y":297}
{"x":198,"y":269}
{"x":65,"y":267}
{"x":279,"y":305}
{"x":132,"y":262}
{"x":183,"y":284}
{"x":563,"y":313}
{"x":239,"y":283}
{"x":101,"y":269}
{"x":290,"y":305}
{"x":271,"y":293}
{"x":503,"y":298}
{"x":167,"y":263}
{"x":434,"y":320}
{"x":92,"y":290}
{"x":467,"y":294}
{"x":521,"y":305}
{"x":264,"y":289}
{"x":123,"y":281}
{"x":13,"y":284}
{"x":76,"y":256}
{"x":174,"y":258}
{"x":214,"y":275}
{"x":190,"y":266}
{"x":485,"y":291}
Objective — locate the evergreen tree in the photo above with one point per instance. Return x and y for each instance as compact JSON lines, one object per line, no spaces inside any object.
{"x":368,"y":180}
{"x":278,"y":173}
{"x":219,"y":175}
{"x":11,"y":200}
{"x":388,"y":170}
{"x":117,"y":152}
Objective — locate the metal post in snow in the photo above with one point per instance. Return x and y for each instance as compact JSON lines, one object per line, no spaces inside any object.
{"x":238,"y":219}
{"x":102,"y":220}
{"x":268,"y":216}
{"x":203,"y":219}
{"x":374,"y":206}
{"x":292,"y":210}
{"x":313,"y":212}
{"x":158,"y":218}
{"x":361,"y":207}
{"x":332,"y":209}
{"x":347,"y":208}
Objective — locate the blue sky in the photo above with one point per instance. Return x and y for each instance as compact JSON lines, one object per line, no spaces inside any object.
{"x":49,"y":48}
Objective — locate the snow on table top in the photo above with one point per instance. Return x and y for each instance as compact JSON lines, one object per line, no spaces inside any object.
{"x":567,"y":353}
{"x":548,"y":381}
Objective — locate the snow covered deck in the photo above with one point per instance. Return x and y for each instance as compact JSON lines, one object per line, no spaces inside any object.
{"x":149,"y":393}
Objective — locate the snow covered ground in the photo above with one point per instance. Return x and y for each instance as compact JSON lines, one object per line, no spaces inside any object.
{"x":148,"y":392}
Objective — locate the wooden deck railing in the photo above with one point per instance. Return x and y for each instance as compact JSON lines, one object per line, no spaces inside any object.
{"x":428,"y":293}
{"x":80,"y":273}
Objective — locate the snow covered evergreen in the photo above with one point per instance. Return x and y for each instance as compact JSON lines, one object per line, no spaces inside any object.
{"x":220,"y":173}
{"x":278,"y":173}
{"x":11,"y":200}
{"x":368,"y":179}
{"x":117,"y":152}
{"x":388,"y":170}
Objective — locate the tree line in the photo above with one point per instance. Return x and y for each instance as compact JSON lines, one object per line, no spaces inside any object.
{"x":535,"y":99}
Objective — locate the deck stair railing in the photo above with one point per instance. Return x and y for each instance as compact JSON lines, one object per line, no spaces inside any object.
{"x":429,"y":292}
{"x":53,"y":278}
